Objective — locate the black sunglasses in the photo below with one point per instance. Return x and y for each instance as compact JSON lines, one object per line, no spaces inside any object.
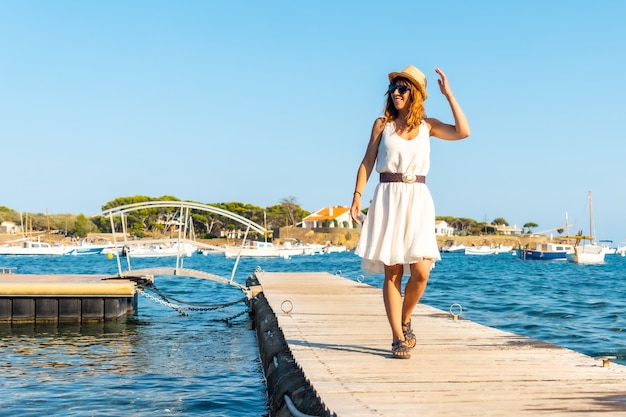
{"x":401,"y":88}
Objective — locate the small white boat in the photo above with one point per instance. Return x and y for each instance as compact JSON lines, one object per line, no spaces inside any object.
{"x":606,"y":247}
{"x":503,"y":248}
{"x":480,"y":250}
{"x":451,"y":247}
{"x":252,"y":249}
{"x":590,"y":253}
{"x":211,"y":251}
{"x":587,"y":254}
{"x":86,"y":248}
{"x":29,"y":247}
{"x":334,"y":249}
{"x":287,"y":249}
{"x":294,"y":247}
{"x":159,"y":251}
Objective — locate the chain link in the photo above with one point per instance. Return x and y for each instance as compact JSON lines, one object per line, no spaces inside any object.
{"x":183,"y":309}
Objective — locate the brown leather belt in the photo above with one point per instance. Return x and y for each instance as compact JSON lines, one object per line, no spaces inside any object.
{"x":399,"y":177}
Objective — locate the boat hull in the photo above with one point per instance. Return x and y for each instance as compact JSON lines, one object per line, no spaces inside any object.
{"x":453,"y":249}
{"x":480,"y":250}
{"x":235,"y":251}
{"x":539,"y":255}
{"x":158,"y":251}
{"x":32,"y":248}
{"x":587,"y":254}
{"x":549,"y":251}
{"x":38,"y":251}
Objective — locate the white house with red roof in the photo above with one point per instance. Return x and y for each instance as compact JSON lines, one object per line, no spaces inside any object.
{"x":328,"y":217}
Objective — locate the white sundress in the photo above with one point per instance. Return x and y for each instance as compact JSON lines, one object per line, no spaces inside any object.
{"x":400,"y":224}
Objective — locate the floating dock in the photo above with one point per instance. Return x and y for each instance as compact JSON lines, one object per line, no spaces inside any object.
{"x":325,"y":345}
{"x":65,"y":298}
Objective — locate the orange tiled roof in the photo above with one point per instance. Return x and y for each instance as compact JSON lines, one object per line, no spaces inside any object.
{"x":324,"y":214}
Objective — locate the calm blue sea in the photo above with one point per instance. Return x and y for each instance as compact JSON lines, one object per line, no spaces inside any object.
{"x":164,"y":363}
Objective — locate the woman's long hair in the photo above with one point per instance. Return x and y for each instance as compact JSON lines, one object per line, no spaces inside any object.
{"x":416,"y":108}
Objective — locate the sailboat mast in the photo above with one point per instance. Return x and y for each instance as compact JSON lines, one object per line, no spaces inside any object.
{"x":48,"y":223}
{"x":590,"y":217}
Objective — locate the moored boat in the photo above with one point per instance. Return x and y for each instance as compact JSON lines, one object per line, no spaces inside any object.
{"x":258,"y":249}
{"x":29,"y":247}
{"x":452,"y":247}
{"x":503,"y":248}
{"x":252,"y":249}
{"x":548,"y":251}
{"x":159,"y":251}
{"x":480,"y":250}
{"x":86,"y":248}
{"x":211,"y":251}
{"x":607,"y":248}
{"x":591,"y":253}
{"x":587,"y":254}
{"x":334,"y":249}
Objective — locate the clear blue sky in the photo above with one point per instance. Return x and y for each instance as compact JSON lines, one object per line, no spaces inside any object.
{"x":220,"y":101}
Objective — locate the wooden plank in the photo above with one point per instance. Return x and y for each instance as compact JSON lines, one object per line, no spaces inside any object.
{"x":338,"y":334}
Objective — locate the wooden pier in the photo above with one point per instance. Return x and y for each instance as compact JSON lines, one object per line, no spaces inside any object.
{"x":337,"y":334}
{"x":65,"y":298}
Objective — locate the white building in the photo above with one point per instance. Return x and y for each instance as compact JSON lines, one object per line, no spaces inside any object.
{"x":328,"y":217}
{"x":443,"y":229}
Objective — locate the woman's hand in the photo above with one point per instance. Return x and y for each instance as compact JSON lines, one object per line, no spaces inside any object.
{"x":443,"y":84}
{"x":355,"y":210}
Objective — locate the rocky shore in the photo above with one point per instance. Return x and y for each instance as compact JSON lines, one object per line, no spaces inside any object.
{"x":350,"y":237}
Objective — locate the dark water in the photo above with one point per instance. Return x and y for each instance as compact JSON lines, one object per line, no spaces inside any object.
{"x":164,"y":363}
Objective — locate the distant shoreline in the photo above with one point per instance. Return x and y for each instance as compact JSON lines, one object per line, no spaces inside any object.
{"x":338,"y":236}
{"x":350,"y":238}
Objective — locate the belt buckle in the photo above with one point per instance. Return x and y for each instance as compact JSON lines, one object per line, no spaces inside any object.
{"x":409,"y":178}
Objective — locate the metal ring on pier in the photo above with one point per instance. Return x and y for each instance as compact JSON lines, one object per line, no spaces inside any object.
{"x":286,"y":306}
{"x":456,"y":316}
{"x":360,"y":278}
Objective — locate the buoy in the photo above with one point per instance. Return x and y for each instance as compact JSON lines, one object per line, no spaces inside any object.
{"x":109,"y":255}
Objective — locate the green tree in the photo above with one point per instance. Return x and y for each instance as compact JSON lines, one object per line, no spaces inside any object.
{"x":529,"y":226}
{"x":9,"y":215}
{"x":83,"y":226}
{"x":500,"y":221}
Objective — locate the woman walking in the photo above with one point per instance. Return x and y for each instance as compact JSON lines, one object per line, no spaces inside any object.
{"x":398,"y":234}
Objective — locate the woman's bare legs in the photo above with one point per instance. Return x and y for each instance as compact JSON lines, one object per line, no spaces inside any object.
{"x":399,"y":310}
{"x":392,"y":297}
{"x":415,"y":287}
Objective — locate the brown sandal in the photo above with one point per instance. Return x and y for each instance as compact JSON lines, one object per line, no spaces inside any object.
{"x":400,"y":350}
{"x":409,"y":336}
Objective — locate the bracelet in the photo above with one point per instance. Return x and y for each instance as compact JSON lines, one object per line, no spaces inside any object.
{"x":360,"y":195}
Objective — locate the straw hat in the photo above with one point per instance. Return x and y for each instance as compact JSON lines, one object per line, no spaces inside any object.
{"x":415,"y":76}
